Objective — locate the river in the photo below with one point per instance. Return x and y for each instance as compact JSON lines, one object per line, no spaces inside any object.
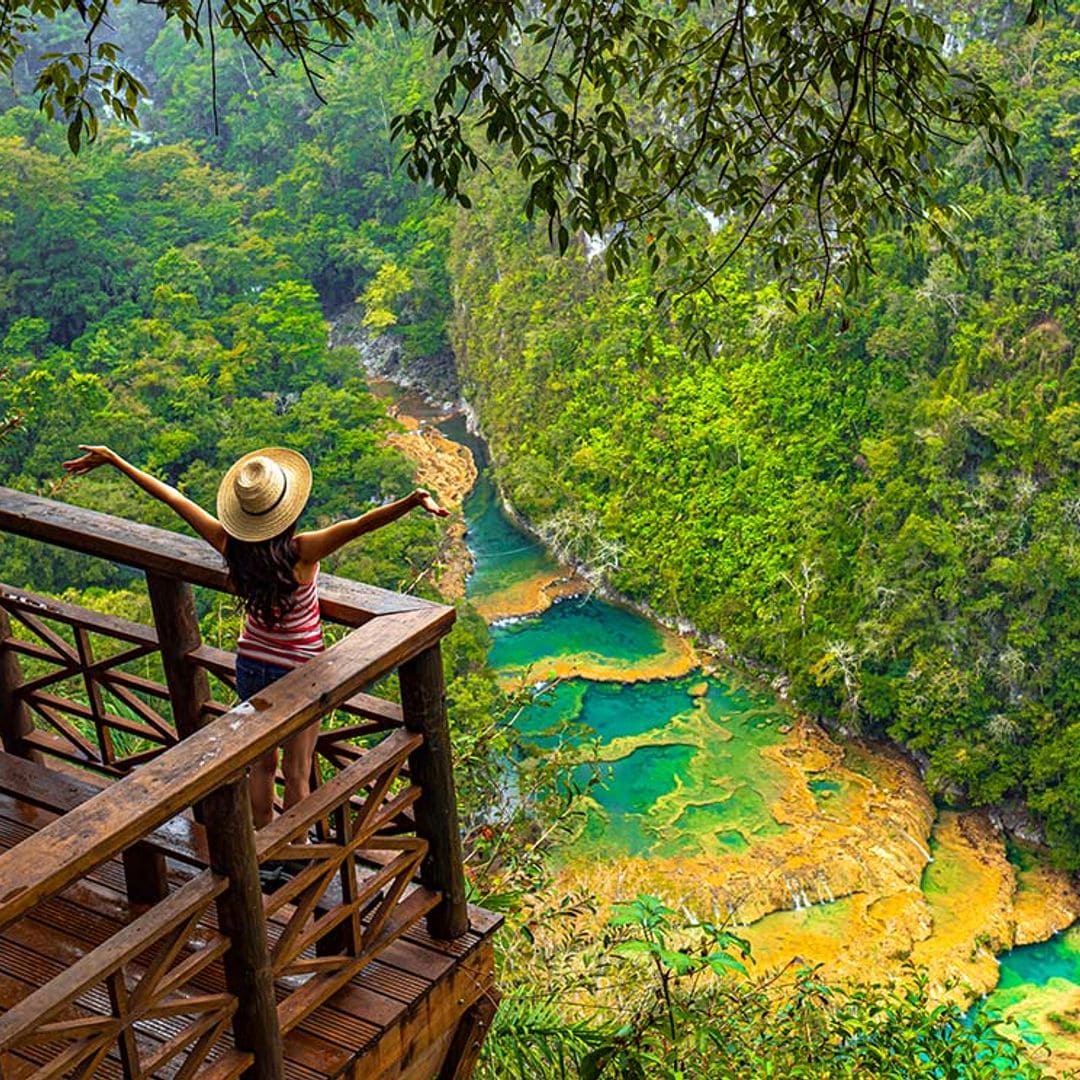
{"x":728,"y":805}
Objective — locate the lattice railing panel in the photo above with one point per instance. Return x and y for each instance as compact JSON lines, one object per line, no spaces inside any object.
{"x":91,"y":681}
{"x":349,"y":893}
{"x":133,"y":1006}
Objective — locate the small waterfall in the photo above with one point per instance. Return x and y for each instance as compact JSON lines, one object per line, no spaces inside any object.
{"x":922,"y":850}
{"x":804,"y":893}
{"x":823,"y":884}
{"x":795,"y":893}
{"x":732,"y":908}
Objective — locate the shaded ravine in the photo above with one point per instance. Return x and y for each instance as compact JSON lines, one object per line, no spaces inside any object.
{"x":723,"y":802}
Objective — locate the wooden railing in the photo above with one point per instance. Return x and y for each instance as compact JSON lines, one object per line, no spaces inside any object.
{"x":58,"y":1029}
{"x":373,"y":849}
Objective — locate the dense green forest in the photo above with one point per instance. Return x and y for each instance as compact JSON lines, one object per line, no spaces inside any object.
{"x":877,"y":497}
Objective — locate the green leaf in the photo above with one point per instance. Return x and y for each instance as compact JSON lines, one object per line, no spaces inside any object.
{"x":74,"y":132}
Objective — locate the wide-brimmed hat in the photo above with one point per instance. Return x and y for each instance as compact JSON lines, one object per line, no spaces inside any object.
{"x":263,"y":493}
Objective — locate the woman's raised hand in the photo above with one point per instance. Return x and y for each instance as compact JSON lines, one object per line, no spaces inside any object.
{"x":94,"y":457}
{"x":426,"y":501}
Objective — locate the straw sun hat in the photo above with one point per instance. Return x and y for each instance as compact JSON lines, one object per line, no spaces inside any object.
{"x":263,"y":493}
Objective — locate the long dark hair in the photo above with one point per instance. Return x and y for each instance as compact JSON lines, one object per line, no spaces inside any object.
{"x":262,"y":574}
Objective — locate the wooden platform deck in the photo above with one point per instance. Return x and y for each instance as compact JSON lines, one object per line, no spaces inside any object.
{"x":378,"y":1026}
{"x":136,"y":939}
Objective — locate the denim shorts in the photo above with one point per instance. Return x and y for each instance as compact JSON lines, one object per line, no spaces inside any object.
{"x":255,"y":675}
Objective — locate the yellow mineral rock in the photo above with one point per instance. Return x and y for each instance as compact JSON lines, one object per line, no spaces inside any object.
{"x":447,"y":469}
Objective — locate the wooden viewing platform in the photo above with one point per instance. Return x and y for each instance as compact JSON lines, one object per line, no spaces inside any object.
{"x":135,"y":939}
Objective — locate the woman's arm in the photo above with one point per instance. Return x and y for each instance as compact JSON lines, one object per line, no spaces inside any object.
{"x":313,"y":546}
{"x":205,"y":524}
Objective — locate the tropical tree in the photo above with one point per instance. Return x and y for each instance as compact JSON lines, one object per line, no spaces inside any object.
{"x":802,"y":123}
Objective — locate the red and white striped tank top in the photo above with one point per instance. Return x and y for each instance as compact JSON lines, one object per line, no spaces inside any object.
{"x":295,"y":637}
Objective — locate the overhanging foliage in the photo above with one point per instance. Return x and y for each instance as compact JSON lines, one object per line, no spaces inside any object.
{"x":801,"y":123}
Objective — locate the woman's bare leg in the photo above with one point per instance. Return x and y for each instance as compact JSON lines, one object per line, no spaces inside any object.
{"x":261,"y":784}
{"x":296,"y":764}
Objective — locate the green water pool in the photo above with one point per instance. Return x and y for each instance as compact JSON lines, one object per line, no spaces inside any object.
{"x":613,"y":710}
{"x":1038,"y":965}
{"x":683,"y":774}
{"x":601,"y":634}
{"x":681,"y":758}
{"x":1036,"y":999}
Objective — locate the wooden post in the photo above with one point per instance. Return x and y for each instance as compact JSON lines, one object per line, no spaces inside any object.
{"x":230,"y":837}
{"x":15,"y":719}
{"x":145,"y":874}
{"x":173,"y":605}
{"x":423,"y":702}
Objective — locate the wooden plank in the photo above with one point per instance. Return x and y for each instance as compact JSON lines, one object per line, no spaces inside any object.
{"x":34,"y":649}
{"x":319,"y":988}
{"x":50,"y":939}
{"x":376,"y":761}
{"x":329,"y":1041}
{"x":63,"y":929}
{"x":46,"y":607}
{"x":94,"y":696}
{"x":227,"y":1067}
{"x":311,"y":1047}
{"x":77,"y":708}
{"x":177,"y":624}
{"x":53,"y":745}
{"x":172,"y":554}
{"x":144,"y":863}
{"x":464,"y":1050}
{"x":24,"y":1062}
{"x":67,"y":733}
{"x":150,"y":796}
{"x":41,"y":786}
{"x":482,"y":923}
{"x":374,"y":708}
{"x":427,"y":964}
{"x":88,"y":924}
{"x":415,"y":1047}
{"x":406,"y":1018}
{"x":37,"y":952}
{"x":55,"y":641}
{"x":359,"y":1002}
{"x":230,"y":836}
{"x":217,"y":661}
{"x":113,"y":678}
{"x":361,"y":999}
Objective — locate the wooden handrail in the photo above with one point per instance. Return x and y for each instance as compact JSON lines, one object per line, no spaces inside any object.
{"x":388,"y":714}
{"x":99,"y":829}
{"x":172,"y":554}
